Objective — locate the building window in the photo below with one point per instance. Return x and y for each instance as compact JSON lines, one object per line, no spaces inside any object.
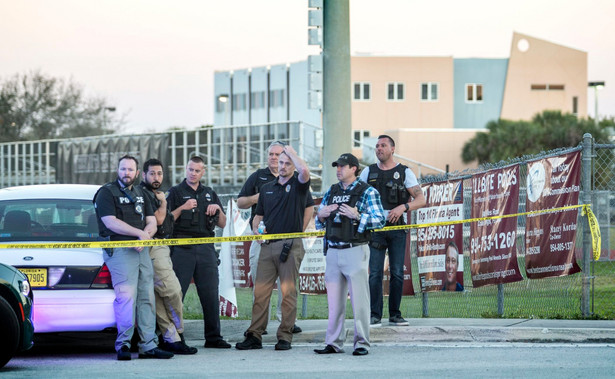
{"x":575,"y":105}
{"x":361,"y":91}
{"x":276,"y":98}
{"x":429,"y":91}
{"x":239,"y":102}
{"x":547,"y":87}
{"x":359,"y":135}
{"x":474,"y":93}
{"x":395,"y":91}
{"x":257,"y":100}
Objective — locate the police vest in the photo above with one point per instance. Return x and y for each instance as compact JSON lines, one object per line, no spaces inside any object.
{"x":129,"y":207}
{"x":194,"y":222}
{"x":341,"y":228}
{"x":390,"y":185}
{"x":166,"y":229}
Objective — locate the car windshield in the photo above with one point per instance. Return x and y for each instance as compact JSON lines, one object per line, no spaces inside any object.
{"x":48,"y":220}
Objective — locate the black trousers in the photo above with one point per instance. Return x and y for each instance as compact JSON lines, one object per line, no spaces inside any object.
{"x":200,"y":262}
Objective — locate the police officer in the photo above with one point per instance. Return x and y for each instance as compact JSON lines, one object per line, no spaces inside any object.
{"x":169,"y":305}
{"x":396,"y":184}
{"x":281,"y":206}
{"x":348,"y":212}
{"x":248,"y":197}
{"x":124,"y":214}
{"x":197,"y":211}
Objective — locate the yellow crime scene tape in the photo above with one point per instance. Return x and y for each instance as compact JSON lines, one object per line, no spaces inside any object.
{"x":593,"y":224}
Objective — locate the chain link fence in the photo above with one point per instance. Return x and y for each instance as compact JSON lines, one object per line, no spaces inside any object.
{"x":556,"y":297}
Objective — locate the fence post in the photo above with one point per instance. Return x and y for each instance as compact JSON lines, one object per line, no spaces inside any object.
{"x":500,"y":299}
{"x":586,"y":177}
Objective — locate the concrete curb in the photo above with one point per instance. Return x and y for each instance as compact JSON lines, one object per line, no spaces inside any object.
{"x":434,"y":331}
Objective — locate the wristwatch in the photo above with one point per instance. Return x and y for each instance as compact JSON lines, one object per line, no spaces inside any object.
{"x":407,"y":207}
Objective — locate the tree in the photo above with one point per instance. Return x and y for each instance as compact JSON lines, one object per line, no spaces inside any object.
{"x":35,"y":106}
{"x":547,"y":131}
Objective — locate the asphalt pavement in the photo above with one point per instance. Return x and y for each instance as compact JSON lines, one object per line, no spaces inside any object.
{"x":432,"y":331}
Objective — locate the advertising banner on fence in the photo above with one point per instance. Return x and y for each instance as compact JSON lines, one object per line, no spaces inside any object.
{"x":436,"y":242}
{"x":493,"y":242}
{"x":312,"y":270}
{"x":550,"y":237}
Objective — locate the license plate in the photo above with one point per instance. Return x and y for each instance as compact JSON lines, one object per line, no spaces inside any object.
{"x":36,"y":276}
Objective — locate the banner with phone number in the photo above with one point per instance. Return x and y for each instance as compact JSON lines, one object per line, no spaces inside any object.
{"x":493,"y":243}
{"x":438,"y":244}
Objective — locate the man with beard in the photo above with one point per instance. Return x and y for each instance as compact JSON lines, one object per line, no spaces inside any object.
{"x":451,"y":265}
{"x":169,"y":305}
{"x":248,"y":197}
{"x":281,"y":206}
{"x":396,"y":184}
{"x":197,"y":211}
{"x":124,"y":214}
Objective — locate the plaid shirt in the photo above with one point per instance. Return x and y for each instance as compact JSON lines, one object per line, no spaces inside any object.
{"x":369,"y":206}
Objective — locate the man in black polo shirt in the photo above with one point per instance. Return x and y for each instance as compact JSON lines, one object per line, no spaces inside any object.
{"x":197,"y":211}
{"x":248,"y":197}
{"x":124,"y":213}
{"x":281,"y":205}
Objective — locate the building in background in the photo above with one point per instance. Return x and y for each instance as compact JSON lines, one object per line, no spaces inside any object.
{"x":430,"y":105}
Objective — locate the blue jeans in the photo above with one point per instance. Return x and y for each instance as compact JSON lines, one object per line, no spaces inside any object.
{"x":395,"y":242}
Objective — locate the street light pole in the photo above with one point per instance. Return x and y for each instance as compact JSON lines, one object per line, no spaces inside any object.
{"x":597,"y":86}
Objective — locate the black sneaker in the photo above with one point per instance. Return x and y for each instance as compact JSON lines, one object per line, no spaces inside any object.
{"x":219,"y":344}
{"x":124,"y":354}
{"x":249,"y":343}
{"x":398,"y":321}
{"x":374,"y":322}
{"x":283,"y":345}
{"x":178,"y":348}
{"x":296,"y":329}
{"x":155,"y":353}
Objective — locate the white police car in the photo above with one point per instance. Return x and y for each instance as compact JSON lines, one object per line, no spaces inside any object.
{"x":72,"y":287}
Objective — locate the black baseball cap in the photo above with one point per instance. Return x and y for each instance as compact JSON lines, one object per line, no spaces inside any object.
{"x":346,"y":159}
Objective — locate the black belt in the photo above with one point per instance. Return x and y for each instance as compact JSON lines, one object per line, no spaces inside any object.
{"x":267,"y":242}
{"x":347,"y":245}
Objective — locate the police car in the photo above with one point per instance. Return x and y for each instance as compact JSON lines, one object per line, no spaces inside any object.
{"x":72,"y":287}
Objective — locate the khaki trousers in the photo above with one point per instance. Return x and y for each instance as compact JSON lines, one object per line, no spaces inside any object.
{"x":269,"y":269}
{"x":168,"y":292}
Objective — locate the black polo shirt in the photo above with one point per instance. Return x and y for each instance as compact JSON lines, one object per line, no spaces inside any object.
{"x":283,"y":205}
{"x":253,"y":185}
{"x":176,"y":200}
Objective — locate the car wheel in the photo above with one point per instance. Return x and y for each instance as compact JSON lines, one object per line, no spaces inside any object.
{"x":9,"y":330}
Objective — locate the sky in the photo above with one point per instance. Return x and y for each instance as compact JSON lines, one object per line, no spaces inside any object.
{"x":155,"y":60}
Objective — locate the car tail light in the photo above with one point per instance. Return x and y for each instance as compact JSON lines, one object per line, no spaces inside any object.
{"x":103,"y":278}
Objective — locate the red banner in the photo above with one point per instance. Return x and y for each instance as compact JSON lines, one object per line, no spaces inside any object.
{"x":440,"y":252}
{"x":493,"y":242}
{"x":241,"y":264}
{"x":550,"y":237}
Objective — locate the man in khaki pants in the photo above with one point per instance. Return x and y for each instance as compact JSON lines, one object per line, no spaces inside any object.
{"x":169,"y":306}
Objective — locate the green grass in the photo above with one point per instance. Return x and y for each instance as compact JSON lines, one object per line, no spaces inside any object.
{"x":554,"y":298}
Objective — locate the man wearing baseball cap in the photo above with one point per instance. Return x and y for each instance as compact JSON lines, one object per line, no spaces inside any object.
{"x":348,"y":212}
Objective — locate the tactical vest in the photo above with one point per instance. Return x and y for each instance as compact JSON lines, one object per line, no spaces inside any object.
{"x":166,"y":229}
{"x":390,"y":185}
{"x":194,"y":222}
{"x":129,"y":207}
{"x":341,"y":228}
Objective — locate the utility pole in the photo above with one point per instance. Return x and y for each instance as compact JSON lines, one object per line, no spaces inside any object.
{"x":337,"y":125}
